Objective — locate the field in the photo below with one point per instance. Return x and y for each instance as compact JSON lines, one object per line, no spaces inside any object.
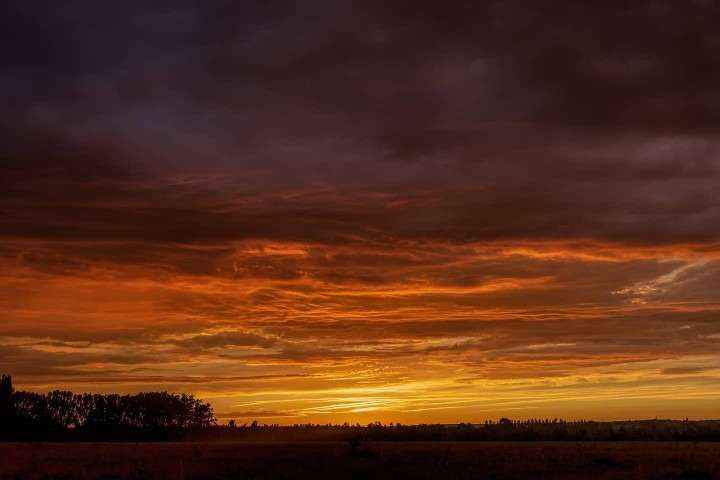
{"x":488,"y":460}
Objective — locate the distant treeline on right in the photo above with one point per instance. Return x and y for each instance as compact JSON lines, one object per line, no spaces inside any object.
{"x":502,"y":430}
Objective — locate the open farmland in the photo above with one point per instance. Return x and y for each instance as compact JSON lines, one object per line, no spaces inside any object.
{"x":489,"y":460}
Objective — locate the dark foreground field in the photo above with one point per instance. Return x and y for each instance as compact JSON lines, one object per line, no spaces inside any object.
{"x":609,"y":460}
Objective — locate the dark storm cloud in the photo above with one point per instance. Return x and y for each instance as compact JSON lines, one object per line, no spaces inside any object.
{"x":531,"y":120}
{"x":418,"y":78}
{"x":59,"y":194}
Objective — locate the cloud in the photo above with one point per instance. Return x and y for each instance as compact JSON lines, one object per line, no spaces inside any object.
{"x":684,"y":370}
{"x":256,"y":414}
{"x":226,"y":339}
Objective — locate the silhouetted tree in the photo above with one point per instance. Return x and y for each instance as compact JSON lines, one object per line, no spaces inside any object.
{"x":7,"y":404}
{"x":30,"y":414}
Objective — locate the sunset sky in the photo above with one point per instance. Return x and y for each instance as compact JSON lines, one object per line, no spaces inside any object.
{"x":329,"y":211}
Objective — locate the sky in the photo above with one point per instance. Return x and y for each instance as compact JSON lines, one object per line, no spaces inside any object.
{"x":328,"y":211}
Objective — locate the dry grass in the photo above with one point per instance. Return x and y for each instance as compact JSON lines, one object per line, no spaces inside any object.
{"x":491,"y":460}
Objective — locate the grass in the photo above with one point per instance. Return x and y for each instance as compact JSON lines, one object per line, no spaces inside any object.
{"x":429,"y":460}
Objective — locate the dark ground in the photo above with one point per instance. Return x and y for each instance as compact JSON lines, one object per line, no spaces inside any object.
{"x":487,"y":460}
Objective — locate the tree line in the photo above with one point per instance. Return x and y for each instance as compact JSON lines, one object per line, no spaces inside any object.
{"x":62,"y":414}
{"x":503,"y":430}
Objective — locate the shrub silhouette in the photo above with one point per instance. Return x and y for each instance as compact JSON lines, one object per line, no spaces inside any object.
{"x":57,"y":413}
